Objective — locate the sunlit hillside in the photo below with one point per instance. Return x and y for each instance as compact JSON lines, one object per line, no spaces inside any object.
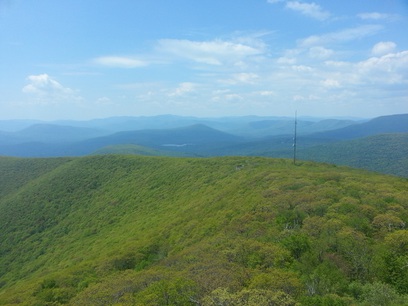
{"x":137,"y":230}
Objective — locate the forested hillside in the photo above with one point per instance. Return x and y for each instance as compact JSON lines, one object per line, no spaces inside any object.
{"x":385,"y":153}
{"x":138,"y":230}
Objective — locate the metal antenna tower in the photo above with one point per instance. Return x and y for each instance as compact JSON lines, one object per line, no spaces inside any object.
{"x":294,"y":140}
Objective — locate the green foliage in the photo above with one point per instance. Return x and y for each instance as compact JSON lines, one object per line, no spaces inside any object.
{"x":385,"y":153}
{"x":248,"y":297}
{"x":132,"y":149}
{"x":175,"y":291}
{"x":380,"y":294}
{"x":137,"y":230}
{"x":16,"y":172}
{"x":396,"y":260}
{"x":326,"y":300}
{"x":296,"y":243}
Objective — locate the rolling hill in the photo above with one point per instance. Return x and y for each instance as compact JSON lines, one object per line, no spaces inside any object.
{"x":137,"y":230}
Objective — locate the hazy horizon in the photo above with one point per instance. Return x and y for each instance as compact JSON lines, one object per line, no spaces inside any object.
{"x":283,"y":117}
{"x":76,"y":60}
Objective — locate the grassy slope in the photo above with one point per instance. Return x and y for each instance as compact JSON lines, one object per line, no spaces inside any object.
{"x":130,"y":149}
{"x":109,"y":229}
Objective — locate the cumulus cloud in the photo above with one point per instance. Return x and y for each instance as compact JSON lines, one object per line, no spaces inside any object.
{"x":46,"y":90}
{"x":120,"y":62}
{"x":383,"y":47}
{"x":312,"y":10}
{"x":43,"y":84}
{"x":391,"y":68}
{"x":215,"y":52}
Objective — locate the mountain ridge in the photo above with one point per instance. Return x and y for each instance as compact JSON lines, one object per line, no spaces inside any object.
{"x":380,"y":125}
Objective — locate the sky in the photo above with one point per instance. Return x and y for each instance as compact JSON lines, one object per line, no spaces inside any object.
{"x":85,"y":59}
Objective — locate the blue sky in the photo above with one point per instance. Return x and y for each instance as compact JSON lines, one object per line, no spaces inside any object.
{"x":76,"y":59}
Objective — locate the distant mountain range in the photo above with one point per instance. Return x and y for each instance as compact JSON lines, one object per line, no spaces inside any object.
{"x":380,"y":125}
{"x":253,"y":126}
{"x":332,"y":140}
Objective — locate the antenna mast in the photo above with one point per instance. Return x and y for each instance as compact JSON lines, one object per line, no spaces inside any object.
{"x":294,"y":140}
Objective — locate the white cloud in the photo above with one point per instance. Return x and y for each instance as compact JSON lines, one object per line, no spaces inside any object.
{"x":312,"y":10}
{"x":43,"y":83}
{"x":289,"y":57}
{"x":266,"y":93}
{"x":104,"y":101}
{"x":226,"y":95}
{"x":388,"y":69}
{"x":374,"y":16}
{"x":286,"y":60}
{"x":305,"y":97}
{"x":319,"y":52}
{"x":239,"y":78}
{"x":330,"y":83}
{"x":216,"y":52}
{"x":120,"y":62}
{"x":340,"y":36}
{"x":342,"y":84}
{"x":46,"y":90}
{"x":302,"y":68}
{"x":182,"y":89}
{"x":383,"y":47}
{"x":380,"y":72}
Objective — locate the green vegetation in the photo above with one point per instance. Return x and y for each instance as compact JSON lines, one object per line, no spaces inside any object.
{"x":131,"y":149}
{"x":385,"y":153}
{"x":16,"y":172}
{"x":138,"y":230}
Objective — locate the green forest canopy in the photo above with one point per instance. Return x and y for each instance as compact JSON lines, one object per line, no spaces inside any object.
{"x":133,"y":230}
